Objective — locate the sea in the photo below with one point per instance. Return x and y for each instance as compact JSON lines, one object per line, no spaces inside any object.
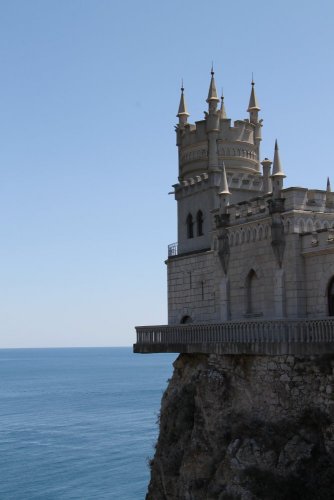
{"x":78,"y":423}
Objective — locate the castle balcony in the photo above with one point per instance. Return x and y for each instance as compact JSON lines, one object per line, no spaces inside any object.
{"x":172,"y":250}
{"x":257,"y":337}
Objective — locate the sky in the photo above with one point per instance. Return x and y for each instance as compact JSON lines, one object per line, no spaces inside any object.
{"x":89,"y":90}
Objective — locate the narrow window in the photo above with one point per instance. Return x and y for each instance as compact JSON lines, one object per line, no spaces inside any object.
{"x":330,"y":294}
{"x":186,"y":320}
{"x":253,"y":296}
{"x":199,"y":221}
{"x":250,"y":291}
{"x":190,"y":226}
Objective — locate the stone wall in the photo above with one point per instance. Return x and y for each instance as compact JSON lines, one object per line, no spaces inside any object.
{"x":250,"y":256}
{"x":297,"y":289}
{"x":191,"y":290}
{"x":318,"y":253}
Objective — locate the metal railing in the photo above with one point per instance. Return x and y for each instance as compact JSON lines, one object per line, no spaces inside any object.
{"x":172,"y":250}
{"x":250,"y":331}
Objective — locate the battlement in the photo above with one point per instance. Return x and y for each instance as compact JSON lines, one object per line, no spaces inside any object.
{"x":311,"y":208}
{"x":312,"y":200}
{"x":241,"y":131}
{"x":236,"y":147}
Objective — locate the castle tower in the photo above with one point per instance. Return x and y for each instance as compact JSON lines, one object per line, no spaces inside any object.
{"x":203,"y":147}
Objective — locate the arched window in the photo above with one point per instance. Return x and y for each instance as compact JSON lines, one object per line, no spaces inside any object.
{"x":199,"y":222}
{"x":330,"y":295}
{"x":253,"y":294}
{"x":186,"y":320}
{"x":190,"y":226}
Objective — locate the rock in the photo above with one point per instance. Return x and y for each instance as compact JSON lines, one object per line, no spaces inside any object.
{"x":230,"y":430}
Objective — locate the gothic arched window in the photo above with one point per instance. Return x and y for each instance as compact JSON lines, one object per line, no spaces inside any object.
{"x":199,"y":222}
{"x":190,"y":226}
{"x":330,"y":296}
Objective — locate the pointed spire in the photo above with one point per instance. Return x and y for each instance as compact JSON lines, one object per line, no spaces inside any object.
{"x":253,"y":104}
{"x":328,"y":189}
{"x":222,"y":107}
{"x":225,"y":190}
{"x":212,"y":95}
{"x":277,"y":168}
{"x":183,"y":112}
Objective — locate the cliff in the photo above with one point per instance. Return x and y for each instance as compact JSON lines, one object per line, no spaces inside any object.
{"x":246,"y":427}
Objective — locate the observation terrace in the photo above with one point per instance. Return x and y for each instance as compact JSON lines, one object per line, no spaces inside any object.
{"x":259,"y":337}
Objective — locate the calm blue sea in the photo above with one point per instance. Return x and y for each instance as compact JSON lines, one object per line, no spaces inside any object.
{"x":78,"y":423}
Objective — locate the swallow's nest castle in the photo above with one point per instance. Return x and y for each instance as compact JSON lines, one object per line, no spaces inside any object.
{"x":249,"y":250}
{"x":249,"y":410}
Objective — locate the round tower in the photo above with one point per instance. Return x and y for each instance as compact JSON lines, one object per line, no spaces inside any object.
{"x":205,"y":145}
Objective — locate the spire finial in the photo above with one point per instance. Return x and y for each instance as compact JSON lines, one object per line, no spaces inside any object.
{"x":253,"y":106}
{"x":328,"y":189}
{"x":182,"y":112}
{"x":212,"y":95}
{"x":224,"y":194}
{"x":277,"y":167}
{"x":222,"y":106}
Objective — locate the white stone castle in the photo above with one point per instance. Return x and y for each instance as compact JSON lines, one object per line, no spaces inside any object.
{"x":251,"y":256}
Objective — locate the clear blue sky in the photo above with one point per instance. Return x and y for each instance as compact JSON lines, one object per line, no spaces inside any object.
{"x":89,"y":91}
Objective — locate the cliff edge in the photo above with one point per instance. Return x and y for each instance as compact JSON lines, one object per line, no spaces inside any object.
{"x":246,"y":427}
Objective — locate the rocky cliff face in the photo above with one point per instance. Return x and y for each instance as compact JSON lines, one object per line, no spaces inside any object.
{"x":246,"y":427}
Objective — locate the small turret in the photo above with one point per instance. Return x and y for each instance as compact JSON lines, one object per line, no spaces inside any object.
{"x":182,"y":113}
{"x":266,"y":164}
{"x":278,"y":174}
{"x":253,"y":106}
{"x":222,"y":113}
{"x":212,"y":124}
{"x":328,"y":188}
{"x":224,"y":194}
{"x":212,"y":99}
{"x":329,"y":195}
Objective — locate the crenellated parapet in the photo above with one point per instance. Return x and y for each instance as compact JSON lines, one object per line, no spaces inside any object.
{"x":235,"y":145}
{"x":314,"y":200}
{"x":250,"y":210}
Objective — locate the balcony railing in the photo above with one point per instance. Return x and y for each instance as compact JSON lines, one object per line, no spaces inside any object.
{"x":256,"y":332}
{"x":172,"y":250}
